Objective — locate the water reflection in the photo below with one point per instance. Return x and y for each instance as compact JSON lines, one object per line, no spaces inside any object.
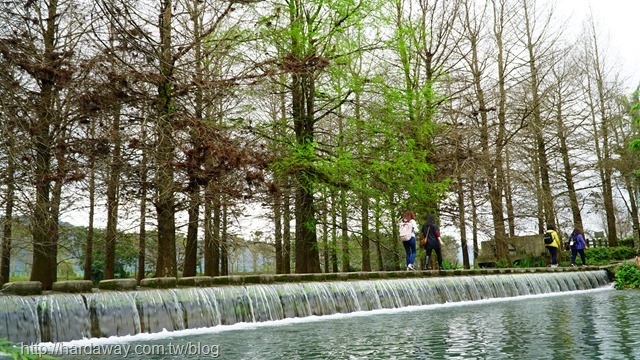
{"x":600,"y":324}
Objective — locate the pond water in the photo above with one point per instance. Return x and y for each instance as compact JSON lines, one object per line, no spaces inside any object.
{"x":590,"y":324}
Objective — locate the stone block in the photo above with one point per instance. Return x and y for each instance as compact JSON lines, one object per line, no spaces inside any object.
{"x":159,"y":282}
{"x":118,"y":284}
{"x":73,"y":286}
{"x":23,"y":288}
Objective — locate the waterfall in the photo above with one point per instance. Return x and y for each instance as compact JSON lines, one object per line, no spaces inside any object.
{"x":66,"y":317}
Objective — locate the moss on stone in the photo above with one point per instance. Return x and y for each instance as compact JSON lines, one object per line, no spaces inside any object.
{"x":23,"y":288}
{"x":237,"y":279}
{"x":331,"y":276}
{"x":266,"y":279}
{"x":251,"y":279}
{"x":118,"y":284}
{"x":159,"y":282}
{"x":73,"y":286}
{"x":195,"y":281}
{"x":220,"y":280}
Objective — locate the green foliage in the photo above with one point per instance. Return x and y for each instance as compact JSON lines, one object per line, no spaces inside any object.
{"x":627,"y":277}
{"x":598,"y":255}
{"x":66,"y":270}
{"x":622,"y":253}
{"x":449,"y":264}
{"x":503,"y":263}
{"x":530,"y":261}
{"x":606,"y":255}
{"x":628,"y":242}
{"x":14,"y":351}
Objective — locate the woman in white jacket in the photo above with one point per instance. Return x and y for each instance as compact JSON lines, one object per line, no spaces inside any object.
{"x":408,"y":229}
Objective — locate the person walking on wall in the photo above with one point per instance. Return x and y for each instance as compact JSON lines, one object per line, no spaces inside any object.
{"x":577,"y":245}
{"x":431,"y":240}
{"x":408,"y":229}
{"x":552,"y":243}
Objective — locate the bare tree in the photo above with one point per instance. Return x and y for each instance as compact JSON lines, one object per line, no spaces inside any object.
{"x":43,"y":56}
{"x":599,"y":96}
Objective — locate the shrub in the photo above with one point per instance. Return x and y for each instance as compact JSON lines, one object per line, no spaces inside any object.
{"x":628,"y":241}
{"x":503,"y":263}
{"x":530,"y":261}
{"x":622,"y":253}
{"x":599,"y":255}
{"x":627,"y":277}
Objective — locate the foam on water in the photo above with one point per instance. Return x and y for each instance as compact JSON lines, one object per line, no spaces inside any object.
{"x":165,"y":334}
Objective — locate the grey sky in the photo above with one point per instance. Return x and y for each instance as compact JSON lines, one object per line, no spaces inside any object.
{"x":617,"y":23}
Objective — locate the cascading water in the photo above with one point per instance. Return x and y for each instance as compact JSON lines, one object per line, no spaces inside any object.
{"x":64,"y":317}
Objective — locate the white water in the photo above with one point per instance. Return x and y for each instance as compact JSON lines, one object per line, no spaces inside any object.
{"x":49,"y":346}
{"x":105,"y":316}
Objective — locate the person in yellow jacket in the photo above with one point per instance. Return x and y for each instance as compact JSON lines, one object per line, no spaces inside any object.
{"x":554,"y":245}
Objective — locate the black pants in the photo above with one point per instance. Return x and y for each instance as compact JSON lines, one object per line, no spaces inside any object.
{"x":438,"y":251}
{"x":554,"y":254}
{"x":574,"y":253}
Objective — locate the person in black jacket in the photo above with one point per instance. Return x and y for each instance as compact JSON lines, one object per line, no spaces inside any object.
{"x":431,"y":240}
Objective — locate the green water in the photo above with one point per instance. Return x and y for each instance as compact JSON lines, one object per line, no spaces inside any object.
{"x":598,"y":324}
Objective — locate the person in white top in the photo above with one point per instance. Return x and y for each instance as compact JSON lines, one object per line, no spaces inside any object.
{"x":408,"y":220}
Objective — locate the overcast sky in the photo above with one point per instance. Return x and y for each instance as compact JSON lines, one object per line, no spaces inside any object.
{"x":617,"y":22}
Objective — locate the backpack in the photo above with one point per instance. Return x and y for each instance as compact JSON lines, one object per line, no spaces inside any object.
{"x":548,"y":238}
{"x":405,"y":230}
{"x":572,"y":241}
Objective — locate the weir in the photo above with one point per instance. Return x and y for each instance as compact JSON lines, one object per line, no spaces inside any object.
{"x":66,"y":317}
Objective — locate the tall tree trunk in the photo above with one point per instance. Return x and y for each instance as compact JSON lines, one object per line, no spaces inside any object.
{"x":538,"y":192}
{"x":286,"y":227}
{"x":195,"y":160}
{"x":601,"y":134}
{"x":224,"y":239}
{"x":56,"y":198}
{"x":508,"y":199}
{"x":277,"y":222}
{"x":325,"y":232}
{"x":366,"y":234}
{"x":491,"y":157}
{"x":210,"y":267}
{"x":216,"y":243}
{"x":307,"y":256}
{"x":191,"y":247}
{"x":364,"y":198}
{"x":538,"y":123}
{"x":165,"y":198}
{"x":474,"y":219}
{"x":566,"y":163}
{"x":395,"y":232}
{"x":113,"y":184}
{"x":113,"y":195}
{"x":44,"y":229}
{"x":142,"y":229}
{"x":285,"y":193}
{"x":88,"y":252}
{"x":334,"y":231}
{"x":463,"y":223}
{"x":472,"y":27}
{"x":605,"y":151}
{"x":9,"y":179}
{"x":344,"y":232}
{"x":378,"y":229}
{"x":496,"y":182}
